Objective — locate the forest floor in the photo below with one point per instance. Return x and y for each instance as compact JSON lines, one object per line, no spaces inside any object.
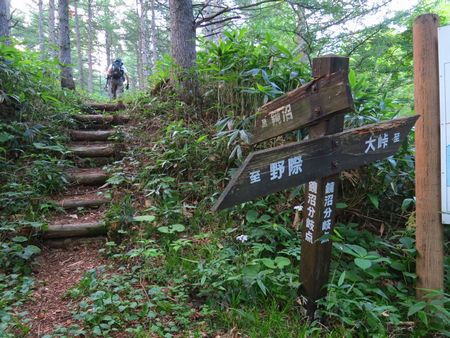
{"x":55,"y":271}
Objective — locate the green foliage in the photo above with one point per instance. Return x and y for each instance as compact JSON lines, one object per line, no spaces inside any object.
{"x":371,"y":289}
{"x":385,"y":189}
{"x":241,"y":72}
{"x":14,"y":288}
{"x":33,"y":113}
{"x":247,"y":258}
{"x":181,"y":174}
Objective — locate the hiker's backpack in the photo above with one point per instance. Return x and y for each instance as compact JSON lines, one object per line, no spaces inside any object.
{"x":117,"y":70}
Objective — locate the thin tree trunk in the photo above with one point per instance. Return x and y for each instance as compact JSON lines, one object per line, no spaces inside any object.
{"x":154,"y":35}
{"x":41,"y":28}
{"x":140,"y":46}
{"x":65,"y":57}
{"x":78,"y":43}
{"x":90,"y":43}
{"x":182,"y":31}
{"x":139,"y":65}
{"x":108,"y":41}
{"x":143,"y":38}
{"x":4,"y":19}
{"x":51,"y":29}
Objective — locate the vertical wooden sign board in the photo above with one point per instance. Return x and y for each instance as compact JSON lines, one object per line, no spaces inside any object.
{"x":319,"y":206}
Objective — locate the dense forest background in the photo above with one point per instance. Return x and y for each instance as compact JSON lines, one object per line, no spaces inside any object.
{"x":371,"y":32}
{"x":167,"y":266}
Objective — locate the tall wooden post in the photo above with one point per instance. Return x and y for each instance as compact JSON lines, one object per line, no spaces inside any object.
{"x":429,"y":229}
{"x":319,"y":206}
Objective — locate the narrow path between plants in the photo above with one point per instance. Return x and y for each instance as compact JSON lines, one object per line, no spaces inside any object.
{"x":74,"y":235}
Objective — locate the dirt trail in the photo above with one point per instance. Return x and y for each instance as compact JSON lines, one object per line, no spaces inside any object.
{"x":56,"y":271}
{"x":64,"y":260}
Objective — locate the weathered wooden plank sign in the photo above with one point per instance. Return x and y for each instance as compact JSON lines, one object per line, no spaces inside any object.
{"x":321,"y":105}
{"x":275,"y":169}
{"x":323,"y":97}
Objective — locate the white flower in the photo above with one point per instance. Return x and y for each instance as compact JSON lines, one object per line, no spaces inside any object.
{"x":242,"y":238}
{"x":298,"y":208}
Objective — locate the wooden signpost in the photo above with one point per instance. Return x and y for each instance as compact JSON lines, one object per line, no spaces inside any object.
{"x":320,"y":104}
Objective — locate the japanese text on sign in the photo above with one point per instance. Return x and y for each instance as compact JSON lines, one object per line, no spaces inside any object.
{"x":381,"y":142}
{"x":327,"y":212}
{"x":278,"y":169}
{"x":311,"y":211}
{"x":278,"y":116}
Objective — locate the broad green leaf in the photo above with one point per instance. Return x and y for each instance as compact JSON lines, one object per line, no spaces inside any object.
{"x":5,"y":137}
{"x":423,"y":317}
{"x":261,"y":286}
{"x":19,"y":239}
{"x":30,"y":250}
{"x":352,"y":78}
{"x":178,"y":227}
{"x":341,"y":279}
{"x":251,"y":216}
{"x":144,"y":218}
{"x":416,"y":308}
{"x":363,"y":263}
{"x":269,"y":263}
{"x":164,"y":230}
{"x":281,"y":262}
{"x":407,"y":202}
{"x":341,"y":205}
{"x":374,"y":199}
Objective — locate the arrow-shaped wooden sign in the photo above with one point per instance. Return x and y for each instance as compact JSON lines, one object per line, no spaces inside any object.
{"x":323,"y":97}
{"x":275,"y":169}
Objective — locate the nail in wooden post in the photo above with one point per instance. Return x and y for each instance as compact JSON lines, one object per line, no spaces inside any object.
{"x":319,"y":206}
{"x":429,"y":229}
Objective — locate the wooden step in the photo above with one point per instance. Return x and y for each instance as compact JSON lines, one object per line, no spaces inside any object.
{"x":64,"y":243}
{"x":102,"y":119}
{"x":93,"y":162}
{"x":91,"y":135}
{"x":82,"y":201}
{"x":96,"y":119}
{"x":74,"y":230}
{"x":93,"y":149}
{"x":107,"y":106}
{"x":88,"y":176}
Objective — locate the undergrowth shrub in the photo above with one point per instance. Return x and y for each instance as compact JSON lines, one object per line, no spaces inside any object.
{"x":33,"y":113}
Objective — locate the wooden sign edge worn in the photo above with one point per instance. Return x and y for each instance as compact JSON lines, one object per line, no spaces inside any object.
{"x":232,"y":181}
{"x":348,"y":94}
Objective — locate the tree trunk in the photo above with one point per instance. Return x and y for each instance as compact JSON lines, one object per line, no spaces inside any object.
{"x":142,"y":11}
{"x":182,"y":31}
{"x":41,"y":28}
{"x":4,"y":19}
{"x":78,"y":42}
{"x":108,"y":40}
{"x":51,"y":29}
{"x":65,"y":57}
{"x":90,"y":43}
{"x":154,"y":35}
{"x":139,"y":65}
{"x":140,"y":47}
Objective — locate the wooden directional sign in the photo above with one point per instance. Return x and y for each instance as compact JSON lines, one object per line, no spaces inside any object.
{"x":321,"y":98}
{"x":275,"y":169}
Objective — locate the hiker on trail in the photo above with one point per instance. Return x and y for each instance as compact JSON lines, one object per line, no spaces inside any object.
{"x":116,"y":76}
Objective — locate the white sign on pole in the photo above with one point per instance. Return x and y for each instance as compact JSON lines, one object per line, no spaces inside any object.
{"x":444,"y":97}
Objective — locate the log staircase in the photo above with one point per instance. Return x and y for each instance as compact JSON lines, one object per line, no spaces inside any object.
{"x":84,"y":203}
